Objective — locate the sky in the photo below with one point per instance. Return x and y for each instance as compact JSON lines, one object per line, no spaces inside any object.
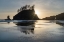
{"x":44,"y":8}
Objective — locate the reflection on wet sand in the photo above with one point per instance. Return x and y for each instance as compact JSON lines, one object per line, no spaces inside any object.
{"x":24,"y":23}
{"x":26,"y":27}
{"x":26,"y":30}
{"x":8,"y":22}
{"x":59,"y":23}
{"x":40,"y":31}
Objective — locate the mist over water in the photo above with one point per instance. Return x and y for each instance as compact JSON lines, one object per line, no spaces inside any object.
{"x":39,"y":31}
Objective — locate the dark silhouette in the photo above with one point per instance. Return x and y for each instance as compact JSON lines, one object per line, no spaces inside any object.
{"x":8,"y":18}
{"x":50,"y":18}
{"x":57,"y":17}
{"x":60,"y":16}
{"x":26,"y":12}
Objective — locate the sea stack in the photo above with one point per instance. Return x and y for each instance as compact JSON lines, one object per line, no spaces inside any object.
{"x":8,"y":18}
{"x":26,"y":12}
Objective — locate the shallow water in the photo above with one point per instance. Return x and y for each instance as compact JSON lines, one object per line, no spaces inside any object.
{"x":39,"y":31}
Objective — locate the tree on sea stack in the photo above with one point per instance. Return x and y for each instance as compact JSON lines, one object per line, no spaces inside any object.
{"x":26,"y":12}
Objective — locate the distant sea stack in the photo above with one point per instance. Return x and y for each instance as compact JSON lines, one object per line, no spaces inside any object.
{"x":26,"y":12}
{"x":57,"y":17}
{"x":49,"y":18}
{"x":60,"y":16}
{"x":8,"y":18}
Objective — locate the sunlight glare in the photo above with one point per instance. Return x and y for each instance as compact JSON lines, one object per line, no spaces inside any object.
{"x":37,"y":12}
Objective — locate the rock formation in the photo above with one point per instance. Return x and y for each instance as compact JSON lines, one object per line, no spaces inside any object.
{"x":26,"y":12}
{"x":49,"y":18}
{"x":8,"y":18}
{"x":60,"y":16}
{"x":57,"y":17}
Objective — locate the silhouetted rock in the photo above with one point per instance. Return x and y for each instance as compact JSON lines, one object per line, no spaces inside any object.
{"x":57,"y":17}
{"x":8,"y":18}
{"x":49,"y":18}
{"x":26,"y":13}
{"x":60,"y":16}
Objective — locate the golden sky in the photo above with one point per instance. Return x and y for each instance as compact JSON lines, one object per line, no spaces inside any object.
{"x":44,"y":8}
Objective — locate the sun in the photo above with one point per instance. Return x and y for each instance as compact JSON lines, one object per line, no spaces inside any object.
{"x":37,"y":12}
